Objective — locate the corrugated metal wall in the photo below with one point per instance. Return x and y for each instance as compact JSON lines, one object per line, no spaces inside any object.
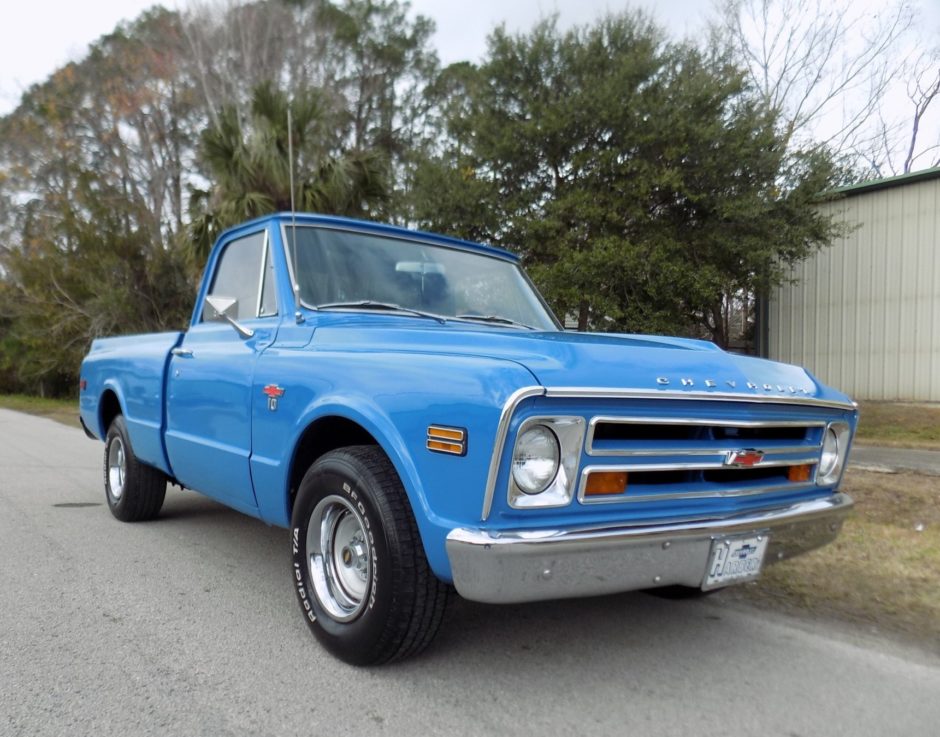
{"x":865,"y":314}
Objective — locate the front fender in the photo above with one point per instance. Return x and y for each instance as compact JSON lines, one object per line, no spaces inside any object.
{"x":364,"y":412}
{"x":393,"y":397}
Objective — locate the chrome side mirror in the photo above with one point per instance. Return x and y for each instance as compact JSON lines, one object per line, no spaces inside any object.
{"x":222,"y":309}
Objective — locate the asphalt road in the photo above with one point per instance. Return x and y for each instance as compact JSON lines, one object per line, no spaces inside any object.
{"x":188,"y":626}
{"x":874,"y":458}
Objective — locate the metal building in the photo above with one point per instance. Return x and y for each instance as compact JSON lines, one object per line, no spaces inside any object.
{"x":864,"y":315}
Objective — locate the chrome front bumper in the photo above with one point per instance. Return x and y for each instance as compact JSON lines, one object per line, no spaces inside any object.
{"x":511,"y":567}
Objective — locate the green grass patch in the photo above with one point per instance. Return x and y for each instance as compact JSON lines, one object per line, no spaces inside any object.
{"x":60,"y":410}
{"x":899,"y":425}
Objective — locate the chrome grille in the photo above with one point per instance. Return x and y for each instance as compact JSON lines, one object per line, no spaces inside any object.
{"x":667,"y":458}
{"x":647,"y":436}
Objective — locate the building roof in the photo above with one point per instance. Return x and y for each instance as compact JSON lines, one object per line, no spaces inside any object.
{"x":872,"y":185}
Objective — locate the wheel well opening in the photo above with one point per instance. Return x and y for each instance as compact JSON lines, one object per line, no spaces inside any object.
{"x":108,"y":409}
{"x":324,"y":435}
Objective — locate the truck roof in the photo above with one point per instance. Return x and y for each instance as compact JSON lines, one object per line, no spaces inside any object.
{"x":367,"y":226}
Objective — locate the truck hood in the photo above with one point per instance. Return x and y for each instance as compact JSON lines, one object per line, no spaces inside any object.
{"x":587,"y":360}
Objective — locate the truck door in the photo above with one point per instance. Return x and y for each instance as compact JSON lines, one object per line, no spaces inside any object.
{"x":209,"y":386}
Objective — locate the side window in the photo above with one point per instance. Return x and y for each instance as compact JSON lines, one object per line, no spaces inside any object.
{"x":244,"y":272}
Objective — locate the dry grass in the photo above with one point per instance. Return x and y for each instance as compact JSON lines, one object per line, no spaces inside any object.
{"x":899,"y":425}
{"x":61,"y":410}
{"x":883,"y":571}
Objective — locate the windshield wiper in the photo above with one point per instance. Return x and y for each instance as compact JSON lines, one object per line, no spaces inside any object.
{"x":368,"y":304}
{"x":498,"y":319}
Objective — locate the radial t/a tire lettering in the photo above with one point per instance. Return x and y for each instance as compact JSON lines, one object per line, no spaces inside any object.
{"x":134,"y":490}
{"x":359,"y":569}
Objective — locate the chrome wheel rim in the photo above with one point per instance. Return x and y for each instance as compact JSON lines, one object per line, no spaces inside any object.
{"x":117,"y":468}
{"x":339,"y":558}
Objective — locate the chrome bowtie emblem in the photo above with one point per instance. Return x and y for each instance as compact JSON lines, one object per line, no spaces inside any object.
{"x":747,"y":458}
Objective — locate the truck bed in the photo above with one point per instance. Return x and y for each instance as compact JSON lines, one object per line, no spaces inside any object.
{"x":141,"y":361}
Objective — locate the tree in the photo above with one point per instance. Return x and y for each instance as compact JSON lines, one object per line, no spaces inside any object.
{"x":643,"y":182}
{"x":823,"y":65}
{"x":249,"y":162}
{"x":124,"y":110}
{"x":912,"y":141}
{"x":125,"y":124}
{"x":922,"y":90}
{"x":87,"y":273}
{"x":370,"y":61}
{"x":91,"y":178}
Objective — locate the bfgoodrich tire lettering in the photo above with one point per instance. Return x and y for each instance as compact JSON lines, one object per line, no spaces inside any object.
{"x":134,"y":490}
{"x":359,"y":570}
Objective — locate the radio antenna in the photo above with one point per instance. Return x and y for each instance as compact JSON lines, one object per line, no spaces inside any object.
{"x":298,"y":315}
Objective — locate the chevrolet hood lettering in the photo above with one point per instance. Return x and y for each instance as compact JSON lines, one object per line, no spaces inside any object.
{"x":713,"y":383}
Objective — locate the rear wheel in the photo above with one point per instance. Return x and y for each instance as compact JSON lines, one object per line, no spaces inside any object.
{"x":360,"y":572}
{"x":134,"y":490}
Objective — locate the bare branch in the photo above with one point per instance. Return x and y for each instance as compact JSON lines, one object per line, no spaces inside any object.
{"x":824,"y":65}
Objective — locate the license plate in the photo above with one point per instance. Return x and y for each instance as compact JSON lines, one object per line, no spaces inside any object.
{"x":735,"y":560}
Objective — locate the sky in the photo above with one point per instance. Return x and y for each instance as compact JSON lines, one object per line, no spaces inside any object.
{"x":36,"y":38}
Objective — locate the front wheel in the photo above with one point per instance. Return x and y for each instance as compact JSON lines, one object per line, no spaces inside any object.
{"x":360,"y":572}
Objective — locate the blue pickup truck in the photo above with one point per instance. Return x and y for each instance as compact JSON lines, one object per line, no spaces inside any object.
{"x":408,"y":407}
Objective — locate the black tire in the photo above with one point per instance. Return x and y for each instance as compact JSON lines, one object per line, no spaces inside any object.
{"x":375,"y":598}
{"x":134,"y":490}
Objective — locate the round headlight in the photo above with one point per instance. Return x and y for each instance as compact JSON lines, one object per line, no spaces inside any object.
{"x":830,"y":453}
{"x":535,"y":459}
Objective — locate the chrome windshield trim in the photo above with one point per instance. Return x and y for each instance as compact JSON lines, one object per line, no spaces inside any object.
{"x":588,"y":392}
{"x":295,"y":289}
{"x":502,"y":430}
{"x":421,"y":240}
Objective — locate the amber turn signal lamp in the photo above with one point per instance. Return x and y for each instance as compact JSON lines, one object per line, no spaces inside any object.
{"x":452,"y":440}
{"x":799,"y":473}
{"x":606,"y":482}
{"x":443,"y":447}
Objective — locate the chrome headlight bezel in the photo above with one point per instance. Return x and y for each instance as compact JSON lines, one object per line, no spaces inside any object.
{"x":559,"y":491}
{"x":833,"y":454}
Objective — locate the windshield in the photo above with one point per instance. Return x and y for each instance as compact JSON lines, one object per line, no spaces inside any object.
{"x":336,"y":269}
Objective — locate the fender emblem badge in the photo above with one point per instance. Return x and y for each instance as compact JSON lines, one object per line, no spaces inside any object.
{"x":273,"y":392}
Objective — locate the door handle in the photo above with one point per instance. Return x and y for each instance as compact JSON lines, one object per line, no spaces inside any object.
{"x":182,"y":352}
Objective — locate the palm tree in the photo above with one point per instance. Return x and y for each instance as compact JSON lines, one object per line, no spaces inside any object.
{"x":248,"y":161}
